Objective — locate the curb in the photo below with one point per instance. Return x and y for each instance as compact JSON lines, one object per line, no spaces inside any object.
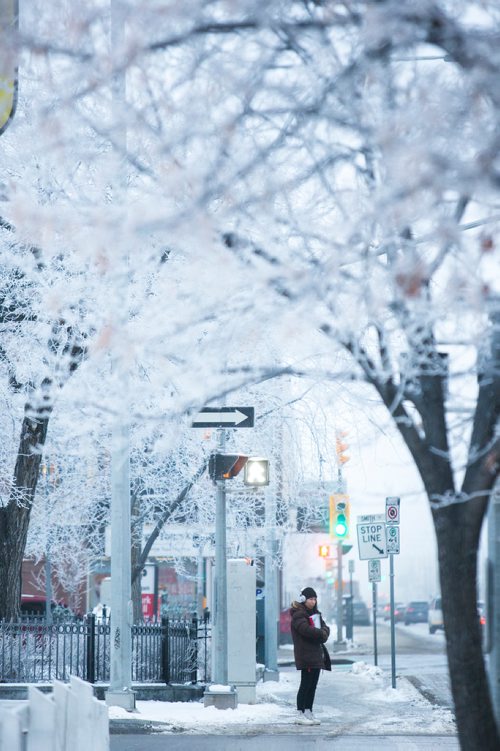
{"x":335,"y":661}
{"x":427,"y":693}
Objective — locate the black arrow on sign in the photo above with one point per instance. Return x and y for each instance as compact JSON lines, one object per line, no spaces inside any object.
{"x":376,"y":548}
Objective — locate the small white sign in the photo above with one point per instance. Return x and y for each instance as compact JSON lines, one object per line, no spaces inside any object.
{"x":374,"y":571}
{"x":392,"y":510}
{"x":393,"y":539}
{"x":371,"y":540}
{"x":148,"y":579}
{"x":367,"y":518}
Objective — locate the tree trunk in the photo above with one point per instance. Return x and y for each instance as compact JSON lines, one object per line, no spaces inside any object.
{"x":15,"y":516}
{"x":136,"y":580}
{"x":457,"y":569}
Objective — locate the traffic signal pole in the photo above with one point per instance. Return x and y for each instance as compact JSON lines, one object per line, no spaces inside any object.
{"x":340,"y":592}
{"x":219,"y":694}
{"x":220,"y":599}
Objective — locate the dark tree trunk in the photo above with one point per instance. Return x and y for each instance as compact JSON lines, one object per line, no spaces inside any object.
{"x":15,"y":516}
{"x":457,"y":552}
{"x":458,"y":516}
{"x":135,"y":557}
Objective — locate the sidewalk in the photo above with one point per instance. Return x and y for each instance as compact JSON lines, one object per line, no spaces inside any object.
{"x":353,"y":700}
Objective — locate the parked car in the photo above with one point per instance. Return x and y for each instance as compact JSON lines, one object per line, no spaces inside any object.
{"x":360,"y":613}
{"x":399,"y":611}
{"x":435,"y":615}
{"x":34,"y":605}
{"x":416,"y":612}
{"x":285,"y":635}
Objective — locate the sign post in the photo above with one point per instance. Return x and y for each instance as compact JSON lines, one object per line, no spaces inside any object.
{"x":392,"y":518}
{"x":374,"y":576}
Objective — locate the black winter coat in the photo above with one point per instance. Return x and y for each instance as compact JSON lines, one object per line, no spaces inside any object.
{"x":308,"y":641}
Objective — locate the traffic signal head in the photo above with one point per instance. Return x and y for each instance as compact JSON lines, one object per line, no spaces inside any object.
{"x":339,"y":516}
{"x":225,"y":466}
{"x":256,"y":471}
{"x":324,"y":551}
{"x":341,"y":448}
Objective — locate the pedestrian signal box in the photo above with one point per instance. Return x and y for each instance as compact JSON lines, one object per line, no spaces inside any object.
{"x":324,"y":551}
{"x":225,"y":466}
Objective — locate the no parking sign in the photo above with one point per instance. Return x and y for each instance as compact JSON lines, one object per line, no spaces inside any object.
{"x":392,"y":510}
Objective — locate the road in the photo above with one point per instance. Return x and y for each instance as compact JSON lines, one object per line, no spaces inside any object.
{"x":289,"y":742}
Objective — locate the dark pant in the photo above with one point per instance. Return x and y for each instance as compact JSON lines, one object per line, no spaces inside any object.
{"x":308,"y":682}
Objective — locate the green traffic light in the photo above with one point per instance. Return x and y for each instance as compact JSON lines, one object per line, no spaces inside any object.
{"x":341,"y":526}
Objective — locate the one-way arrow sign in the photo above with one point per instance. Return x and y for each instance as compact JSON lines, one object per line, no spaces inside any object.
{"x":224,"y":417}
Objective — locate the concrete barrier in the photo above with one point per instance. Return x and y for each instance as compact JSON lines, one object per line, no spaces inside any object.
{"x":69,"y":719}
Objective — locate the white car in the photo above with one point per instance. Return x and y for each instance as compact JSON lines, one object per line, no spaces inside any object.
{"x":435,"y":615}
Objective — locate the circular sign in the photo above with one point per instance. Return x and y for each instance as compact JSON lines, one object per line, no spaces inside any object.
{"x":392,"y":512}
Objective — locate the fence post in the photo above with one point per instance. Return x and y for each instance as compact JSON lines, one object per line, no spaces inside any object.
{"x":90,"y":639}
{"x":194,"y":642}
{"x":165,"y":656}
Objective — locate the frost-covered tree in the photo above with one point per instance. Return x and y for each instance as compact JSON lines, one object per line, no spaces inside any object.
{"x":324,"y":172}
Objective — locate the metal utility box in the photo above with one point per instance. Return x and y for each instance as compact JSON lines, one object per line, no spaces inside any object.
{"x":241,"y":627}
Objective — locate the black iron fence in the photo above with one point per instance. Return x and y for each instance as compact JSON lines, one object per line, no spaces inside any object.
{"x":170,"y":651}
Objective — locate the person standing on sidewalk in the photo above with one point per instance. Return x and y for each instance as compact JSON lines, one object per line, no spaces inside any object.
{"x":309,"y":634}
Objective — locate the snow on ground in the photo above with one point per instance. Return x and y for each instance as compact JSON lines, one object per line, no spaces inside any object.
{"x":353,"y":699}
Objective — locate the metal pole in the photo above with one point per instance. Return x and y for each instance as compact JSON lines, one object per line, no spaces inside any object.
{"x":339,"y":593}
{"x":351,"y":605}
{"x":271,"y":593}
{"x":48,"y":587}
{"x":393,"y":629}
{"x":374,"y":612}
{"x":220,"y":599}
{"x":199,"y":582}
{"x":120,"y":693}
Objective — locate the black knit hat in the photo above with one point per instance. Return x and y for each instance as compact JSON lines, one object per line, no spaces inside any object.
{"x":308,"y":592}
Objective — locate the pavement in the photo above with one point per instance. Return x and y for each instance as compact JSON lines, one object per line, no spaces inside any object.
{"x":354,"y":701}
{"x":356,"y":704}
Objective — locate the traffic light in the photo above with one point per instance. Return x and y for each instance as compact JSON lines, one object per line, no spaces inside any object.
{"x":341,"y":448}
{"x":256,"y":471}
{"x":324,"y":551}
{"x":340,"y":511}
{"x":225,"y":466}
